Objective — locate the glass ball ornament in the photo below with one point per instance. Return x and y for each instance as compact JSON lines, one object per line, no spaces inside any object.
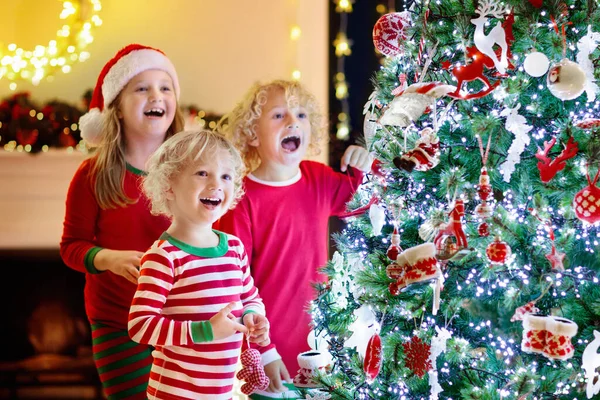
{"x":483,"y":229}
{"x":566,"y":80}
{"x":498,"y":252}
{"x":536,"y":64}
{"x":390,"y":32}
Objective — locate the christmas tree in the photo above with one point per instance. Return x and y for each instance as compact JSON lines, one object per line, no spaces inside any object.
{"x":472,"y":271}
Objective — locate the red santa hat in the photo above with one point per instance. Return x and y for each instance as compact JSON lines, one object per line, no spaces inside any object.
{"x":127,"y":63}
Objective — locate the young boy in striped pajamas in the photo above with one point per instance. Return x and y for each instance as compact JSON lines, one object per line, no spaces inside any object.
{"x":195,"y":298}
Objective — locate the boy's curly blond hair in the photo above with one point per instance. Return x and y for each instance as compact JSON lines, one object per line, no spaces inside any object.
{"x":239,"y":125}
{"x":176,"y":154}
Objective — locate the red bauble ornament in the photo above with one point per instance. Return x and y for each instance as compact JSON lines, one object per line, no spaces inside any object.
{"x":498,"y":251}
{"x":483,"y":229}
{"x":587,"y":202}
{"x":373,"y":359}
{"x":389,"y":32}
{"x":416,"y":356}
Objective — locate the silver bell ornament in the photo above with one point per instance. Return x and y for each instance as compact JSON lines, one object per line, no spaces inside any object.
{"x":566,"y":80}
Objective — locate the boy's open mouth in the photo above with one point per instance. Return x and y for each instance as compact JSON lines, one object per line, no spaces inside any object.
{"x":208,"y":201}
{"x":291,"y":143}
{"x":154,"y":112}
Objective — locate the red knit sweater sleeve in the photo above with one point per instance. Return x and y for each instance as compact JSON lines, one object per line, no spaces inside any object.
{"x":79,"y":227}
{"x":341,"y":187}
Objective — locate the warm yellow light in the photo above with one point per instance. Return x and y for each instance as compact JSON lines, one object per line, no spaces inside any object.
{"x":73,"y":127}
{"x":12,"y":86}
{"x":381,"y":8}
{"x":343,"y":131}
{"x":342,"y":45}
{"x":61,"y":53}
{"x":344,"y":6}
{"x":341,"y":90}
{"x":45,"y":148}
{"x":295,"y":32}
{"x":296,"y":75}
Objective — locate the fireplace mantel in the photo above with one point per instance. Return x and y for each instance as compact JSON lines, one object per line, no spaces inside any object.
{"x":33,"y":188}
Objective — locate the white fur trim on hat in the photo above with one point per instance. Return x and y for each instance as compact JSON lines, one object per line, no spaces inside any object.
{"x":416,"y":254}
{"x":561,"y":326}
{"x":132,"y":64}
{"x":314,"y":359}
{"x":534,"y":322}
{"x":90,"y":126}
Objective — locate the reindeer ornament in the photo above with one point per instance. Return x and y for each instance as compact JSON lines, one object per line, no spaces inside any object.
{"x":485,"y":43}
{"x":483,"y":53}
{"x":549,"y":167}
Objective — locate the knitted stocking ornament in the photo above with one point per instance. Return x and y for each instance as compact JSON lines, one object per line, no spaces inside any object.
{"x":252,"y":372}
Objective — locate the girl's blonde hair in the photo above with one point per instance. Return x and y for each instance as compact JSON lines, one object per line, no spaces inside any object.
{"x":176,"y":154}
{"x":240,"y":124}
{"x":109,"y":166}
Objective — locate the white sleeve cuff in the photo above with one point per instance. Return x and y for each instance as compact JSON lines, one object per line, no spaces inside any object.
{"x":269,"y":356}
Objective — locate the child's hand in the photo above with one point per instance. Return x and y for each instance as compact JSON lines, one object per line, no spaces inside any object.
{"x":357,"y":157}
{"x":125,"y":263}
{"x":223,"y":323}
{"x":258,"y":329}
{"x":276,"y":371}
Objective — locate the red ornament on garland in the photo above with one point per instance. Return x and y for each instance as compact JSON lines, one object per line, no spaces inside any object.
{"x":416,"y":356}
{"x":483,"y":229}
{"x":252,"y":372}
{"x":587,"y":202}
{"x":389,"y":32}
{"x":498,"y":251}
{"x":394,"y":249}
{"x":373,"y":358}
{"x":485,"y":189}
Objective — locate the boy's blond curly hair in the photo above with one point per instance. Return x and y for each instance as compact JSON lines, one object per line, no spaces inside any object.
{"x":176,"y":154}
{"x":239,"y":125}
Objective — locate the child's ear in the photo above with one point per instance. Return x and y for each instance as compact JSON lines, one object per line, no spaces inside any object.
{"x":169,"y":194}
{"x":253,"y":142}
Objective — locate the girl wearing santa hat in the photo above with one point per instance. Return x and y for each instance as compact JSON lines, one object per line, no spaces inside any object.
{"x":108,"y":224}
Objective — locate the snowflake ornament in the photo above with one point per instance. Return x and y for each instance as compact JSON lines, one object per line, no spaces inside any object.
{"x":416,"y":356}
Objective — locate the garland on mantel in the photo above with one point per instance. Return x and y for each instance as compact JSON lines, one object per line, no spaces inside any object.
{"x":27,"y":126}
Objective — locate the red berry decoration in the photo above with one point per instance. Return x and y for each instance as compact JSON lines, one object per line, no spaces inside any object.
{"x":373,"y":359}
{"x":389,"y":32}
{"x":498,"y":251}
{"x":587,"y":202}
